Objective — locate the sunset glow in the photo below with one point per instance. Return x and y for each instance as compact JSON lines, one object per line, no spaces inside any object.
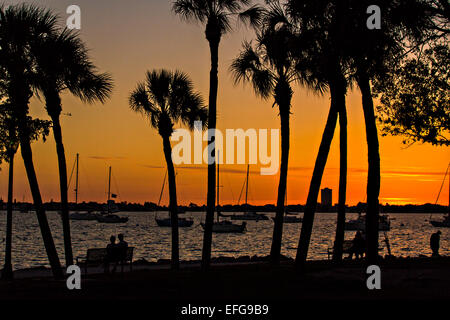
{"x":127,"y":38}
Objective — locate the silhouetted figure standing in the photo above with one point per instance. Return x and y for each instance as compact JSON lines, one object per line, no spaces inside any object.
{"x":434,"y":243}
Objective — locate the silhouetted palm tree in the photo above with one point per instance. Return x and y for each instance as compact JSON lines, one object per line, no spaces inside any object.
{"x":9,"y":143}
{"x":271,"y":68}
{"x":8,"y":148}
{"x":375,"y":52}
{"x":167,"y":98}
{"x":216,"y":15}
{"x":321,"y":22}
{"x":63,"y":64}
{"x":20,"y":26}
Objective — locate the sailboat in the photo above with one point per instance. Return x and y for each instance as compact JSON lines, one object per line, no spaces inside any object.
{"x":108,"y":217}
{"x":167,"y":222}
{"x":248,"y":215}
{"x":359,"y":224}
{"x":445,"y":223}
{"x":78,"y":215}
{"x":224,"y":226}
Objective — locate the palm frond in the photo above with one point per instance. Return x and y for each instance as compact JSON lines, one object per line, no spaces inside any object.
{"x":94,"y":87}
{"x":191,"y":10}
{"x":253,"y":16}
{"x":248,"y":67}
{"x":167,"y":98}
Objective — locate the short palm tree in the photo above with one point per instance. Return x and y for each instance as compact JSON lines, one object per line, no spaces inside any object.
{"x":217,"y":16}
{"x":8,"y":149}
{"x":20,"y":27}
{"x":63,"y":64}
{"x":9,"y":143}
{"x":168,"y":98}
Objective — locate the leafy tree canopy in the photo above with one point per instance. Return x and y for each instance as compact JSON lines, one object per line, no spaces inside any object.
{"x":415,"y":98}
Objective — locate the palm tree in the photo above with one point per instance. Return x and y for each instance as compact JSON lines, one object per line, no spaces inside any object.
{"x":167,"y":98}
{"x":271,"y":68}
{"x":321,"y":24}
{"x":376,"y":52}
{"x":20,"y":26}
{"x":8,"y":148}
{"x":216,"y":15}
{"x":63,"y":64}
{"x":340,"y":224}
{"x":9,"y":143}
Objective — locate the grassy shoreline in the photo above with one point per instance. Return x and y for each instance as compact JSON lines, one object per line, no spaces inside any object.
{"x":403,"y":278}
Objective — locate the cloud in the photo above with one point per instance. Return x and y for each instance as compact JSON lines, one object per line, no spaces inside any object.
{"x":386,"y":173}
{"x":152,"y":166}
{"x":106,"y":158}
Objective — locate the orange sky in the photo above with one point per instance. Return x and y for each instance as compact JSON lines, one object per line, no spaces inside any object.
{"x":127,"y":38}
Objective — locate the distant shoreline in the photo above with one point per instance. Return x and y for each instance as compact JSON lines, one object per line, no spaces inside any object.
{"x":298,"y":208}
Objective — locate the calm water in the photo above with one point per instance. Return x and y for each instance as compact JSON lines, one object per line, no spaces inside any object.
{"x":153,"y":243}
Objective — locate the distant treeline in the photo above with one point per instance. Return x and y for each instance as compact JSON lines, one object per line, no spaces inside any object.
{"x":151,"y":206}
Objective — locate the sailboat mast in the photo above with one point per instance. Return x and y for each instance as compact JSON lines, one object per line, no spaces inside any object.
{"x":162,"y":189}
{"x":76,"y":180}
{"x":246,"y":185}
{"x":109,"y":185}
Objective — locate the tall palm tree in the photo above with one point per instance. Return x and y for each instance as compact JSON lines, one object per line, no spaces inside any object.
{"x":404,"y":23}
{"x":216,"y":15}
{"x":340,"y":223}
{"x":167,"y":98}
{"x":20,"y":26}
{"x":271,"y":68}
{"x":9,"y":143}
{"x":322,"y":22}
{"x":63,"y":64}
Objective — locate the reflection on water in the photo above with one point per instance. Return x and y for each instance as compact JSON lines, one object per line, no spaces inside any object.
{"x":153,"y":243}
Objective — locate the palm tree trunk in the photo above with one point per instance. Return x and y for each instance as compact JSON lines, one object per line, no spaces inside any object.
{"x":373,"y":176}
{"x":63,"y":189}
{"x":277,"y":238}
{"x":316,"y":180}
{"x":7,"y":273}
{"x":340,"y":225}
{"x":47,"y":237}
{"x":211,"y":195}
{"x":173,"y":206}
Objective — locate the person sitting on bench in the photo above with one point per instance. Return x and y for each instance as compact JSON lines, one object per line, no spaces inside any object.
{"x":111,"y":254}
{"x":122,"y":243}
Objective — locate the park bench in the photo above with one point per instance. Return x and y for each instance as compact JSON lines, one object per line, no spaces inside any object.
{"x":346,"y":246}
{"x":97,"y":256}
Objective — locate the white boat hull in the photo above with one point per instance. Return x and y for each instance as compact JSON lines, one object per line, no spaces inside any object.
{"x":227,"y":227}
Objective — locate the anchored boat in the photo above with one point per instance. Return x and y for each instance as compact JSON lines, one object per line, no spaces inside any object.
{"x":167,"y":222}
{"x":359,"y":224}
{"x":108,"y":217}
{"x":224,"y":226}
{"x":445,"y":222}
{"x":80,"y":215}
{"x":248,"y":215}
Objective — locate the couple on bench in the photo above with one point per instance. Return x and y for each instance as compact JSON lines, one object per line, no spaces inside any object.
{"x":115,"y":252}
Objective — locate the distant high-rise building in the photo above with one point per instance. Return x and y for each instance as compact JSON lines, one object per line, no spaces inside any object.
{"x":327,"y":197}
